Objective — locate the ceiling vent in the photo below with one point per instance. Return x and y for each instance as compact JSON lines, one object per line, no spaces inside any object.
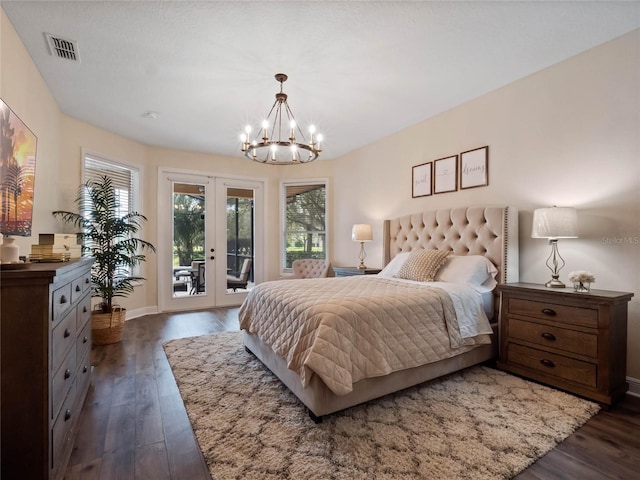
{"x":62,"y":48}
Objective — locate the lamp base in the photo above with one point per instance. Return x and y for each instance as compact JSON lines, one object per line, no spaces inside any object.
{"x":554,"y":283}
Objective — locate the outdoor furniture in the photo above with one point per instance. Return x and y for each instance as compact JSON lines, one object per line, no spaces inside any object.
{"x":197,"y":277}
{"x":243,"y":277}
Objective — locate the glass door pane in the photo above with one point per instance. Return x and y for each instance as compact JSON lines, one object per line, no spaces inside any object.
{"x":240,"y":239}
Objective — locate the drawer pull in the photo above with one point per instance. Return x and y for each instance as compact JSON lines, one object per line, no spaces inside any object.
{"x":548,"y":336}
{"x":63,"y":299}
{"x":549,"y":311}
{"x":86,"y":280}
{"x":67,"y":373}
{"x":67,"y":333}
{"x":85,"y":339}
{"x":84,"y":309}
{"x":77,"y":288}
{"x":547,"y":363}
{"x":85,"y":369}
{"x":67,"y":414}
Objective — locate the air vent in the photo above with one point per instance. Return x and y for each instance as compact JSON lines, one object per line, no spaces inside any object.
{"x":62,"y":48}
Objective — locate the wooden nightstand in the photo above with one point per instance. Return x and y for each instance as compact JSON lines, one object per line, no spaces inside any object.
{"x":350,"y":271}
{"x":573,"y":341}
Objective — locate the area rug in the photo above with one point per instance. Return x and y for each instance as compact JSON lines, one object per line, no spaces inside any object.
{"x":476,"y":424}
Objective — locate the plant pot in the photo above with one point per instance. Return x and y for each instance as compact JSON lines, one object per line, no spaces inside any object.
{"x":106,"y":328}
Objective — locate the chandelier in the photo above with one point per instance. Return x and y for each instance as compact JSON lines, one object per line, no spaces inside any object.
{"x":282,"y":141}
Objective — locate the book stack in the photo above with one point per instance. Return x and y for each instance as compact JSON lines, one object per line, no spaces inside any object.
{"x":56,"y":247}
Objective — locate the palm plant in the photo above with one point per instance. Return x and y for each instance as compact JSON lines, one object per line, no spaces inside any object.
{"x":109,"y":239}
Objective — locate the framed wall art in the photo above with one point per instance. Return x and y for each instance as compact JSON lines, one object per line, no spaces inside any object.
{"x":17,"y":174}
{"x":421,"y":182}
{"x":445,"y":175}
{"x":474,"y":168}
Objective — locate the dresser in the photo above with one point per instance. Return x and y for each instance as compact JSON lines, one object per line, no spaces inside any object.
{"x":350,"y":271}
{"x":45,"y":333}
{"x":573,"y":341}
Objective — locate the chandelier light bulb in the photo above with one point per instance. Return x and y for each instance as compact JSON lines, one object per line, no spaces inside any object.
{"x":243,"y":138}
{"x":247,"y":129}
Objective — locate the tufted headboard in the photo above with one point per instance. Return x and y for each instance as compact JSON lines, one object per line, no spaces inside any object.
{"x":488,"y":231}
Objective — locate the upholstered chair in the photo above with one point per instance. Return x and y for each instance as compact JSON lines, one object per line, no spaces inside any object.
{"x":242,"y":279}
{"x":311,"y":268}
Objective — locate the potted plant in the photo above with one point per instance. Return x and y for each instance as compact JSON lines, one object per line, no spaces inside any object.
{"x":110,"y":239}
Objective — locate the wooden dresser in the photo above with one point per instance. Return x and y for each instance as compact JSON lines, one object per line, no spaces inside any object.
{"x":46,"y":346}
{"x":573,"y":341}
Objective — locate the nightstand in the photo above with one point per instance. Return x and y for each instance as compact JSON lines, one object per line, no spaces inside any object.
{"x":573,"y":341}
{"x":350,"y":271}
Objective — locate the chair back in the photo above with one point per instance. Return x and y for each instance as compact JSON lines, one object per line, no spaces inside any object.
{"x":246,"y":268}
{"x":311,"y":268}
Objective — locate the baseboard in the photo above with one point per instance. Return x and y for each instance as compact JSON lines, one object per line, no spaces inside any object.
{"x":634,"y":387}
{"x":140,"y":312}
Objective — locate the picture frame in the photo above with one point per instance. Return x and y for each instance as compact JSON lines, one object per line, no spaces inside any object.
{"x":17,"y":174}
{"x":421,"y":180}
{"x":474,"y":168}
{"x":445,"y":174}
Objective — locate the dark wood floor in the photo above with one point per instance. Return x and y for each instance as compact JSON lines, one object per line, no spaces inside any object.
{"x":134,"y":425}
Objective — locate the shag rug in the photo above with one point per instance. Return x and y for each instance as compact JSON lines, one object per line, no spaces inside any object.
{"x":476,"y":424}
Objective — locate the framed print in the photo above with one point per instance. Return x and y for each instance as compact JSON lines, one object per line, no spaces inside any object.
{"x":474,"y":168}
{"x":421,"y":180}
{"x":445,"y":175}
{"x":17,"y":174}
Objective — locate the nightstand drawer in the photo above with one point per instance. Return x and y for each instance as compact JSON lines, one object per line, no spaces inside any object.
{"x":584,"y":373}
{"x":554,"y":337}
{"x":585,"y":317}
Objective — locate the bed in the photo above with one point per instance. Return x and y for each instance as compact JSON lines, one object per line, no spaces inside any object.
{"x":339,"y":342}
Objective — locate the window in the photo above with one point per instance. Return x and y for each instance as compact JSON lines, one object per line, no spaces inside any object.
{"x":305,"y":221}
{"x":125,"y":179}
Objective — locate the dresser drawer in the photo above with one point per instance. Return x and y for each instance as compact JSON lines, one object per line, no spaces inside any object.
{"x":577,"y":371}
{"x":61,"y":432}
{"x":554,"y":337}
{"x":84,"y":312}
{"x":62,"y":381}
{"x":83,"y":341}
{"x":83,"y":376}
{"x":62,"y":337}
{"x":61,"y":302}
{"x":585,"y":317}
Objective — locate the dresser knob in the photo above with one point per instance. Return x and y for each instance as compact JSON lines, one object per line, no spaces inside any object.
{"x":77,"y":288}
{"x":67,"y":414}
{"x":85,"y":339}
{"x":63,"y":300}
{"x":86,"y":280}
{"x":85,"y":369}
{"x":549,"y":311}
{"x":84,"y":309}
{"x":67,"y":333}
{"x":547,"y":363}
{"x":548,"y":336}
{"x":67,"y":373}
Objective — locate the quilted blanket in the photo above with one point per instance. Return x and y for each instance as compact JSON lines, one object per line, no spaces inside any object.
{"x":349,"y":328}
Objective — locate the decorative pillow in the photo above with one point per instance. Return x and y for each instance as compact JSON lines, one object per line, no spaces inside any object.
{"x":393,"y":267}
{"x":474,"y":270}
{"x":422,"y":265}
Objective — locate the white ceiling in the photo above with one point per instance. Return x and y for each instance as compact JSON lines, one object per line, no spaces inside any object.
{"x":358,"y":70}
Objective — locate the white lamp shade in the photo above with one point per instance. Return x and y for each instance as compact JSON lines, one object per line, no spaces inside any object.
{"x":555,"y":222}
{"x":361,"y":232}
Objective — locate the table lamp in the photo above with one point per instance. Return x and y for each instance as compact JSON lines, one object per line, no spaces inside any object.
{"x":554,"y":223}
{"x":361,"y":232}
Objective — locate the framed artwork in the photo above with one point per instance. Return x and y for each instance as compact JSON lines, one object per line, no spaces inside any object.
{"x":474,"y":168}
{"x":17,"y":174}
{"x":445,"y":174}
{"x":421,"y":180}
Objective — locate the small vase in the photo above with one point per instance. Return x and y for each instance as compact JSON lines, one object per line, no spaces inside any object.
{"x":9,"y":251}
{"x":581,"y":287}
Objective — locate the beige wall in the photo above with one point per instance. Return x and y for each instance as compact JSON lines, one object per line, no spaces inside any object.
{"x":568,"y":135}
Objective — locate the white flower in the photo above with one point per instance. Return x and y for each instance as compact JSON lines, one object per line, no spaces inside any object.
{"x":582,"y":277}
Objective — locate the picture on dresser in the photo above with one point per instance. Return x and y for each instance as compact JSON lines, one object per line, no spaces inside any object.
{"x":17,"y":174}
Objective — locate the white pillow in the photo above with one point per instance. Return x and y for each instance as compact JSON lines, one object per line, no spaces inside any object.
{"x":394,"y":266}
{"x":473,"y":270}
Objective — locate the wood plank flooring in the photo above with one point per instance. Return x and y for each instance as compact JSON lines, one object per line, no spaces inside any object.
{"x":134,"y":425}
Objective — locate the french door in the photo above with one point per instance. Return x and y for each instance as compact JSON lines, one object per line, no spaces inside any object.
{"x":210,"y":238}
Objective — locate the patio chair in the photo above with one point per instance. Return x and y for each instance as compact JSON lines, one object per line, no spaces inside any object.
{"x":243,"y":277}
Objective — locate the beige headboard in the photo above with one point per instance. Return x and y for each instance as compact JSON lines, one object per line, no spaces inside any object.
{"x":478,"y":230}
